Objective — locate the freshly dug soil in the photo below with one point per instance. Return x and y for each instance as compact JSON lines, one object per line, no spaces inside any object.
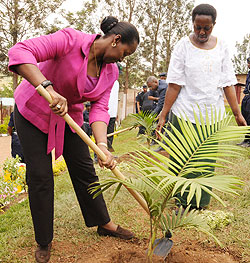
{"x":112,"y":250}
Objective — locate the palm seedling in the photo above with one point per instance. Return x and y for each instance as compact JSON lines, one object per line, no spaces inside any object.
{"x":148,"y":121}
{"x":160,"y":179}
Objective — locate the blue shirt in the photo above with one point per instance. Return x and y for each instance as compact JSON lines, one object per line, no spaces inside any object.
{"x":161,"y":91}
{"x":247,"y":88}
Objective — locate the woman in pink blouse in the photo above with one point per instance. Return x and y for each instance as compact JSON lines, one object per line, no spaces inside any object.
{"x":74,"y":67}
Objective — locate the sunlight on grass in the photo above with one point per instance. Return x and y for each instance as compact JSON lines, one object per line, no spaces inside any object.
{"x":16,"y":230}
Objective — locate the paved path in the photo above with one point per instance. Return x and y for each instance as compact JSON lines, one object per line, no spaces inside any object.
{"x":5,"y":148}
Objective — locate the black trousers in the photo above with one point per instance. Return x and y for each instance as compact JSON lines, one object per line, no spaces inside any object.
{"x":245,"y":110}
{"x":110,"y":129}
{"x":16,"y":148}
{"x":39,"y":176}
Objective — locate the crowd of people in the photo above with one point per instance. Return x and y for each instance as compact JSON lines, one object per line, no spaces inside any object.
{"x":77,"y":68}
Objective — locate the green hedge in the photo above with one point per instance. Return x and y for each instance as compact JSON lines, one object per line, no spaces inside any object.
{"x":3,"y":127}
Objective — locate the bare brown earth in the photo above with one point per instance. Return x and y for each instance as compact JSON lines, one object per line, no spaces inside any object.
{"x":113,"y":250}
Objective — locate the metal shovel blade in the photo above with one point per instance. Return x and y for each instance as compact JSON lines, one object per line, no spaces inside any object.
{"x":163,"y":246}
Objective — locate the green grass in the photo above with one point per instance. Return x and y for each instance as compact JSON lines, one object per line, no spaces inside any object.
{"x":126,"y":142}
{"x":16,"y":230}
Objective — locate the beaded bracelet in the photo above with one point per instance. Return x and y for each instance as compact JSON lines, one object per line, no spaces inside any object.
{"x":103,"y":144}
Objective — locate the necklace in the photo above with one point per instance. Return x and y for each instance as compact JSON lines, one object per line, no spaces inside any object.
{"x":96,"y":65}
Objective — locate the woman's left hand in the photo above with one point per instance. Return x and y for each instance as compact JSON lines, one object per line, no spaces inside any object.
{"x":240,"y":120}
{"x":110,"y":162}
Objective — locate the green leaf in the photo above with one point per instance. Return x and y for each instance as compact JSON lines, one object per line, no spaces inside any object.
{"x":116,"y":191}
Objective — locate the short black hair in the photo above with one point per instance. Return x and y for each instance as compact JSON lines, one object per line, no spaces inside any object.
{"x":163,"y":74}
{"x":110,"y":25}
{"x":204,"y":9}
{"x":87,"y":104}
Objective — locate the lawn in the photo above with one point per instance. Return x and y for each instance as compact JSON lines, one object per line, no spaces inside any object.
{"x":73,"y":240}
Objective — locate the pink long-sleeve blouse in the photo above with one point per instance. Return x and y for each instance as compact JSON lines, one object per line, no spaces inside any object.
{"x":63,"y":59}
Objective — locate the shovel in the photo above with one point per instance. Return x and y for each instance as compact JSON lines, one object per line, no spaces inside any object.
{"x":110,"y":147}
{"x":44,"y":93}
{"x":120,"y":131}
{"x":163,"y":245}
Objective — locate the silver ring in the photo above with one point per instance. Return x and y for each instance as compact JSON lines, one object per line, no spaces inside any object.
{"x":58,"y":106}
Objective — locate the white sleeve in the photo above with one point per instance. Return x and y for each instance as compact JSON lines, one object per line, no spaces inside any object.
{"x":228,"y":77}
{"x":113,"y":100}
{"x":176,"y":69}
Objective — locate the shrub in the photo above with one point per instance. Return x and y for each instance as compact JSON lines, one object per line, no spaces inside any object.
{"x":3,"y":127}
{"x":59,"y":167}
{"x":13,"y":180}
{"x":217,"y":219}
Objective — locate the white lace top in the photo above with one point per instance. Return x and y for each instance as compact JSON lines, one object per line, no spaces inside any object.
{"x":202,"y":74}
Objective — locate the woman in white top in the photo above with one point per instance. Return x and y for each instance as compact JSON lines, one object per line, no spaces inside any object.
{"x":199,"y":74}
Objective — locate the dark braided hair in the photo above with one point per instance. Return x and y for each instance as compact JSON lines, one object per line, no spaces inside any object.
{"x":129,"y":34}
{"x":204,"y":9}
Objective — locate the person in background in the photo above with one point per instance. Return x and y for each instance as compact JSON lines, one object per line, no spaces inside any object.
{"x":16,"y":148}
{"x":86,"y":126}
{"x":146,"y":107}
{"x":157,"y":88}
{"x":74,"y":67}
{"x":139,"y":98}
{"x":199,"y":74}
{"x":113,"y":110}
{"x":245,"y":106}
{"x":163,"y":76}
{"x":153,"y":94}
{"x":160,"y":86}
{"x":147,"y":104}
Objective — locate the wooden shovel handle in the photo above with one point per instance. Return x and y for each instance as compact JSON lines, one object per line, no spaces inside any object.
{"x":120,"y":131}
{"x":44,"y":93}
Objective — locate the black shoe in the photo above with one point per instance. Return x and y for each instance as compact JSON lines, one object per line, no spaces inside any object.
{"x":42,"y":253}
{"x":244,"y":144}
{"x":241,"y":143}
{"x":159,"y":149}
{"x":120,"y":232}
{"x":153,"y":143}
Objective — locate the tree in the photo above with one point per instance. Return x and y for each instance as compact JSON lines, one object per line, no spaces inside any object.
{"x":84,"y":19}
{"x":165,"y":23}
{"x":131,"y":11}
{"x":176,"y":26}
{"x":155,"y":15}
{"x":6,"y":91}
{"x":20,"y":19}
{"x":243,"y":52}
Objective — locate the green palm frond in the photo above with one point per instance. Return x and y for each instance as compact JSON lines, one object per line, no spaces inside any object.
{"x":191,"y":152}
{"x":147,"y":120}
{"x":194,"y":149}
{"x":185,"y":218}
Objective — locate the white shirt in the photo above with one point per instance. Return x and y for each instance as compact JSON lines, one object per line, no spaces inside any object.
{"x":113,"y":100}
{"x":202,"y":75}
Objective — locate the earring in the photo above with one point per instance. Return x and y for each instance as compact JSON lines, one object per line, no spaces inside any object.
{"x":113,"y":44}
